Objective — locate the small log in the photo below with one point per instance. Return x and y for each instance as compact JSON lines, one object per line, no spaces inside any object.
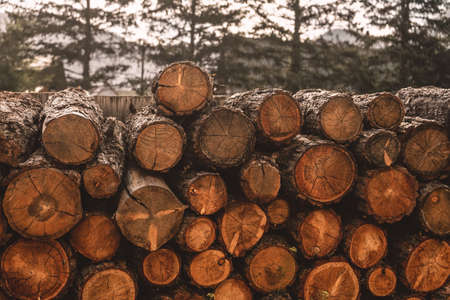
{"x":278,"y":212}
{"x":319,"y":171}
{"x":181,"y":293}
{"x":149,"y":214}
{"x":103,"y":176}
{"x":223,"y":137}
{"x":96,"y":237}
{"x":196,"y":234}
{"x":161,"y":267}
{"x":381,"y":110}
{"x":241,"y":226}
{"x":19,"y":127}
{"x":209,"y":268}
{"x":106,"y":281}
{"x":260,"y":179}
{"x":434,"y":208}
{"x":377,"y":147}
{"x":205,"y":192}
{"x":318,"y":233}
{"x":277,"y":296}
{"x":274,"y":112}
{"x":271,"y":266}
{"x":389,"y":193}
{"x":181,"y":89}
{"x":156,"y":142}
{"x":36,"y":269}
{"x":233,"y":289}
{"x":381,"y":281}
{"x":71,"y":131}
{"x":331,"y":114}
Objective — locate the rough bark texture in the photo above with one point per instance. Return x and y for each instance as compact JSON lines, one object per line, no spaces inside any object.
{"x":71,"y":129}
{"x":196,"y":233}
{"x":19,"y":127}
{"x":434,"y":208}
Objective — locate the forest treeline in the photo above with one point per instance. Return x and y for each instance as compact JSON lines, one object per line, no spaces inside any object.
{"x":364,"y":45}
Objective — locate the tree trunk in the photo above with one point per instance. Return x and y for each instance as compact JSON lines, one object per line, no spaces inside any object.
{"x":381,"y":281}
{"x":434,"y":208}
{"x":182,"y":89}
{"x":161,"y":267}
{"x":274,"y":112}
{"x":278,"y":212}
{"x":19,"y":127}
{"x":197,"y":234}
{"x":233,"y":289}
{"x":209,"y":268}
{"x":103,"y":176}
{"x":156,"y":142}
{"x":71,"y":131}
{"x":331,"y":114}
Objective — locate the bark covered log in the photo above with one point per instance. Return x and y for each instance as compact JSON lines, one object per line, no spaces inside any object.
{"x":434,"y":208}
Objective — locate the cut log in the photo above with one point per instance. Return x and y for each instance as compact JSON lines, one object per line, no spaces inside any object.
{"x":149,"y":214}
{"x":103,"y":176}
{"x":223,"y":137}
{"x":106,"y":281}
{"x":156,"y":142}
{"x":413,"y":297}
{"x":389,"y":193}
{"x":271,"y":266}
{"x":181,"y":293}
{"x":19,"y":127}
{"x":205,"y":192}
{"x":275,"y":113}
{"x":36,"y":269}
{"x":434,"y":208}
{"x":332,"y":114}
{"x":209,"y":268}
{"x":233,"y":289}
{"x":377,"y":147}
{"x":426,"y":147}
{"x":96,"y":237}
{"x":241,"y":226}
{"x":318,"y":233}
{"x":278,"y":212}
{"x":161,"y":267}
{"x":182,"y":88}
{"x":196,"y":234}
{"x":260,"y":179}
{"x":319,"y":171}
{"x":71,"y":132}
{"x":277,"y":296}
{"x":381,"y":281}
{"x":381,"y":110}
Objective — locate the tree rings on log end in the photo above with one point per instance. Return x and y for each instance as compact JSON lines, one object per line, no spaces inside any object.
{"x":381,"y":281}
{"x":207,"y":193}
{"x":278,"y":211}
{"x":385,"y":111}
{"x":42,"y":203}
{"x":209,"y":268}
{"x":101,"y":181}
{"x":71,"y":139}
{"x":200,"y":234}
{"x":161,"y":267}
{"x":383,"y":149}
{"x":233,"y":289}
{"x":35,"y":269}
{"x":367,"y":245}
{"x":435,"y":211}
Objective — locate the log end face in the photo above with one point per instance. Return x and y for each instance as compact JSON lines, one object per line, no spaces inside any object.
{"x":278,"y":211}
{"x":110,"y":283}
{"x":233,"y":289}
{"x":435,"y":211}
{"x":368,"y":245}
{"x":260,"y":180}
{"x":100,"y":181}
{"x":209,"y":268}
{"x":200,"y":234}
{"x":383,"y":149}
{"x":207,"y":194}
{"x":382,"y":281}
{"x":161,"y":267}
{"x":385,"y":111}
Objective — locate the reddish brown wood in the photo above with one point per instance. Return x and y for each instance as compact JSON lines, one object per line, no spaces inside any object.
{"x":377,"y":147}
{"x":277,"y":296}
{"x":381,"y":281}
{"x":278,"y":212}
{"x":434,"y":208}
{"x":233,"y":289}
{"x":209,"y":268}
{"x":161,"y":267}
{"x":196,"y":234}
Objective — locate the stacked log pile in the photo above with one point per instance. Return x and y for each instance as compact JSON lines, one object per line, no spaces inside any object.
{"x":266,"y":195}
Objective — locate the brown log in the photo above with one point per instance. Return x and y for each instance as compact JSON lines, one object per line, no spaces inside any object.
{"x":71,"y":130}
{"x":161,"y":267}
{"x":377,"y":147}
{"x":233,"y":289}
{"x":381,"y":281}
{"x":317,"y":170}
{"x":381,"y":110}
{"x":156,"y":142}
{"x":106,"y":281}
{"x":318,"y":233}
{"x":412,"y":297}
{"x":278,"y":212}
{"x":36,"y":269}
{"x":223,"y":137}
{"x":205,"y":192}
{"x":149,"y":214}
{"x":331,"y":114}
{"x":434,"y":208}
{"x":19,"y":127}
{"x":274,"y":112}
{"x":271,"y":266}
{"x":209,"y":268}
{"x":426,"y":147}
{"x":241,"y":226}
{"x":182,"y":88}
{"x":103,"y":176}
{"x":181,"y":293}
{"x":389,"y":193}
{"x":196,"y":233}
{"x":260,"y":179}
{"x":277,"y":296}
{"x":96,"y":237}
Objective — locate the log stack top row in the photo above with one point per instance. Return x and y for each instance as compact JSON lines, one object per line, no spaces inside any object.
{"x":265,"y":195}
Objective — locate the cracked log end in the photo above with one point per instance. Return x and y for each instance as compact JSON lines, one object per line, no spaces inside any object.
{"x":367,"y":245}
{"x":233,"y":289}
{"x":385,"y":111}
{"x":161,"y":267}
{"x":381,"y":281}
{"x":199,"y":234}
{"x":209,"y":268}
{"x":101,"y":181}
{"x":206,"y":193}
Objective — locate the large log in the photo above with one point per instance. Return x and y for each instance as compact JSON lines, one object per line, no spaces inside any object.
{"x":71,"y":129}
{"x":434,"y":208}
{"x":19,"y":127}
{"x":331,"y":114}
{"x":378,"y":148}
{"x":274,"y":112}
{"x":182,"y":88}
